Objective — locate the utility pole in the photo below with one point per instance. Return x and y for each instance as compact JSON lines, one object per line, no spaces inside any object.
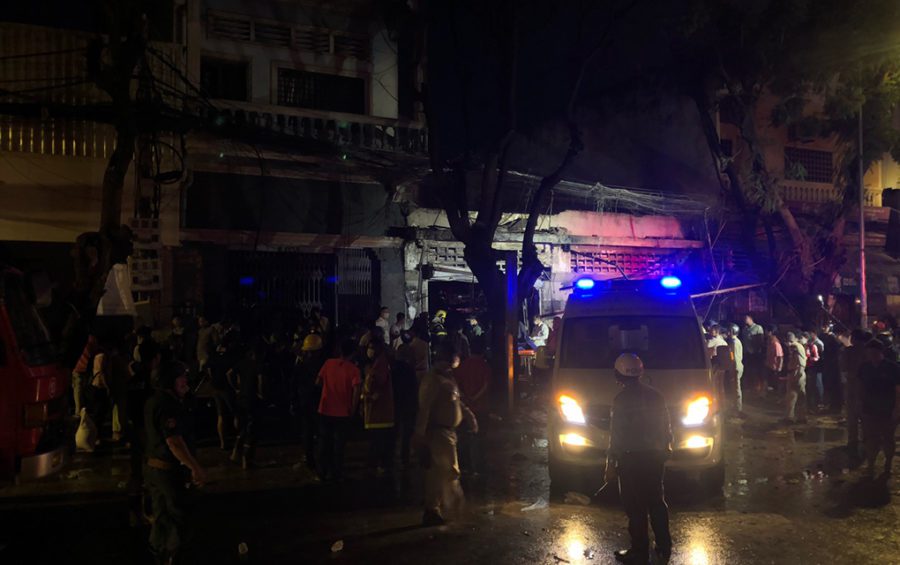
{"x":863,"y":298}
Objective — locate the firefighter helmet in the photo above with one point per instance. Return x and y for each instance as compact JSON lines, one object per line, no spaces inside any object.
{"x":312,"y":342}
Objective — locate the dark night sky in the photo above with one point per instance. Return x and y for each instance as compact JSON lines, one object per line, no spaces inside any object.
{"x":633,"y":136}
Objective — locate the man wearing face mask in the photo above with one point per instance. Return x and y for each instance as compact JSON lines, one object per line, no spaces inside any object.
{"x":440,"y":412}
{"x":167,"y":451}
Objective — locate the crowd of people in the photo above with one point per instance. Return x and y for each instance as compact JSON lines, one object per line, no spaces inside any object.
{"x":396,"y":385}
{"x":846,"y":373}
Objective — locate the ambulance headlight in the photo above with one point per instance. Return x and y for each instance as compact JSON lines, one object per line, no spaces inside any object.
{"x":697,"y":411}
{"x":570,"y":410}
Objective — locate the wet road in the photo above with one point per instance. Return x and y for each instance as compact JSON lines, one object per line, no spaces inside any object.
{"x":790,"y":497}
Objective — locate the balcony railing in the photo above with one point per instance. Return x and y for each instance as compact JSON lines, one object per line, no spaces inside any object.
{"x":42,"y":65}
{"x":351,"y":130}
{"x":809,"y":192}
{"x":821,"y":193}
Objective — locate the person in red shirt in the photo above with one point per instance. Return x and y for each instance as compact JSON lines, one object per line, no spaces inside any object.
{"x":473,"y":377}
{"x":341,"y":382}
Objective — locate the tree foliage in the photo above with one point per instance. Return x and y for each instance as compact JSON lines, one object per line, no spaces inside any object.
{"x":822,"y":61}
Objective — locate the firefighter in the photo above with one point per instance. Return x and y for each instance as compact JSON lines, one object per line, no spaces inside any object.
{"x":440,"y":412}
{"x":438,"y":327}
{"x":167,"y":451}
{"x":640,"y":441}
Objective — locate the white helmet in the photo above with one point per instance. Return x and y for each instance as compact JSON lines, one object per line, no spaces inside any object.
{"x":629,"y":365}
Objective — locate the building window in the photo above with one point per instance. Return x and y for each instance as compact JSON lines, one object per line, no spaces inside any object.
{"x":808,"y":165}
{"x":226,"y":80}
{"x":319,"y":91}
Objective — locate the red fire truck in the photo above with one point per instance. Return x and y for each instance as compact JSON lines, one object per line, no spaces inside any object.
{"x":33,"y":386}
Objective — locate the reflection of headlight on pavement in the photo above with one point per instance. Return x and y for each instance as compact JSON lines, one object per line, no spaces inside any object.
{"x":577,"y":440}
{"x":696,"y":442}
{"x":696,"y":412}
{"x":570,"y":410}
{"x":698,"y":555}
{"x":575,"y":549}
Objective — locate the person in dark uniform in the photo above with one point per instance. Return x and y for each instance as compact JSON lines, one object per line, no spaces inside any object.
{"x":308,"y":362}
{"x":879,"y":381}
{"x":247,"y":378}
{"x":640,"y":441}
{"x":167,"y":452}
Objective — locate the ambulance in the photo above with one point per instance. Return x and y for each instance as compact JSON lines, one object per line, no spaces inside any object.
{"x":656,"y":320}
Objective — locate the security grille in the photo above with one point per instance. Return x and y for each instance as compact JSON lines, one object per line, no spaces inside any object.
{"x":446,"y":256}
{"x":614,"y":263}
{"x":354,"y":272}
{"x":817,"y":166}
{"x":283,"y":279}
{"x":320,"y":91}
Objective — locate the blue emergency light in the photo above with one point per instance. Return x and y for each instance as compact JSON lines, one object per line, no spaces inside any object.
{"x":670,"y":282}
{"x":584,"y":284}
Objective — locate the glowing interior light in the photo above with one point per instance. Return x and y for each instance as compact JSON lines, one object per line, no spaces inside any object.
{"x":584,"y":284}
{"x":670,"y":282}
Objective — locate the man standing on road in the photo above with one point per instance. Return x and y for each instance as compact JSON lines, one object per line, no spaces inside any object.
{"x":167,"y":451}
{"x":830,"y":355}
{"x":879,"y":380}
{"x":737,"y":367}
{"x":753,"y":339}
{"x":851,"y":361}
{"x":473,"y":376}
{"x":440,"y":412}
{"x":247,"y":380}
{"x":773,"y":363}
{"x":384,"y":322}
{"x":795,"y":397}
{"x":341,"y":383}
{"x":640,"y":441}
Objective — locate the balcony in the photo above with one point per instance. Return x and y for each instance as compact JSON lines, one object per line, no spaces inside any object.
{"x":350,"y":130}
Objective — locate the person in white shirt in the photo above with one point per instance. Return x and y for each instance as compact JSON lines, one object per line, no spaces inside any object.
{"x":384,"y":322}
{"x":737,"y":353}
{"x":399,"y":326}
{"x":540,"y":332}
{"x":715,"y":341}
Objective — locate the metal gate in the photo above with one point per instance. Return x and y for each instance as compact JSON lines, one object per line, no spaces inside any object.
{"x":358,"y":291}
{"x":285,"y":284}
